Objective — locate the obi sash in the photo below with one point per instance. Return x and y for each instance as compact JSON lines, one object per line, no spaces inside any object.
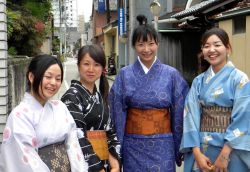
{"x":55,"y":157}
{"x":215,"y":118}
{"x":148,"y":121}
{"x":98,"y":140}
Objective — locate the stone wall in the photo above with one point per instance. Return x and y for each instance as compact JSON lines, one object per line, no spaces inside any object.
{"x":17,"y":68}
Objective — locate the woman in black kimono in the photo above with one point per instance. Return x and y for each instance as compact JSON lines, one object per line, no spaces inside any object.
{"x":90,"y":110}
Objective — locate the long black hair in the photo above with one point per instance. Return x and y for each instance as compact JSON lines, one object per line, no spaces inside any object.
{"x":38,"y":66}
{"x":143,"y":31}
{"x":98,"y":55}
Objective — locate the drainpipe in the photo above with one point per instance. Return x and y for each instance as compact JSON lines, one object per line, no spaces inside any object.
{"x":3,"y":68}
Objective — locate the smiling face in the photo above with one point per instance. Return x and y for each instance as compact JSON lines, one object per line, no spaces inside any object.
{"x":89,"y":71}
{"x":215,"y":52}
{"x":146,"y":51}
{"x":49,"y":84}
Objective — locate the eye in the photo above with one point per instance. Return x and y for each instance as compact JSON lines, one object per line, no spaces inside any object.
{"x":47,"y":77}
{"x":217,"y":45}
{"x":85,"y":64}
{"x":97,"y":64}
{"x":206,"y":46}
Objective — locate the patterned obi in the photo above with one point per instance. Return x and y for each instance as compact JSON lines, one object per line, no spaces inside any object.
{"x":148,"y":121}
{"x":98,"y":140}
{"x":215,"y":119}
{"x":55,"y":157}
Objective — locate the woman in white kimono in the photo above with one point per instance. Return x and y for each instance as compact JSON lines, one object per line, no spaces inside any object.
{"x":216,"y":115}
{"x":40,"y":134}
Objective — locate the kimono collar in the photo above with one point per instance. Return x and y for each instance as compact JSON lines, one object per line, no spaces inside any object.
{"x":78,"y":84}
{"x":154,"y":70}
{"x":145,"y":69}
{"x":210,"y":73}
{"x":34,"y":103}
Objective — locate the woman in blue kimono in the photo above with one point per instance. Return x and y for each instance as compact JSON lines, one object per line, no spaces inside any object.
{"x":216,"y":114}
{"x":147,"y":99}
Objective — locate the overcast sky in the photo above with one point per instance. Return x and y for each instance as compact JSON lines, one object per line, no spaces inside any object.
{"x":85,"y":7}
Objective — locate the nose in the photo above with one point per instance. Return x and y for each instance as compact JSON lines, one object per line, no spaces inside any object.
{"x":146,"y":47}
{"x":53,"y":81}
{"x":212,"y":48}
{"x":91,"y":67}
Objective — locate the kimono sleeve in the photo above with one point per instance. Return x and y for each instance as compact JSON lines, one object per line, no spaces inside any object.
{"x":238,"y":132}
{"x":179,"y":93}
{"x":191,"y":119}
{"x":19,"y":147}
{"x":118,"y":106}
{"x":74,"y":106}
{"x":114,"y":145}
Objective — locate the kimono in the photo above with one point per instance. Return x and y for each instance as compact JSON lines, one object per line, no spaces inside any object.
{"x":161,"y":88}
{"x":228,"y":88}
{"x":31,"y":126}
{"x":90,"y":113}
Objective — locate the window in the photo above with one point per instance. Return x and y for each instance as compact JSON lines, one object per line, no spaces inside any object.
{"x":239,"y":25}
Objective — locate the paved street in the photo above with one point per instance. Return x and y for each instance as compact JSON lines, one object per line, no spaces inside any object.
{"x":71,"y":72}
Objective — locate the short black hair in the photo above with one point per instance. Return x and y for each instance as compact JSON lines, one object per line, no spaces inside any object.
{"x":143,"y":31}
{"x":38,"y":66}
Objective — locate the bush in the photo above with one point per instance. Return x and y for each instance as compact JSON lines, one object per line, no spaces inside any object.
{"x":28,"y":25}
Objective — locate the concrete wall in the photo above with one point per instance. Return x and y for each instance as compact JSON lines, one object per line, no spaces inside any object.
{"x":17,"y":68}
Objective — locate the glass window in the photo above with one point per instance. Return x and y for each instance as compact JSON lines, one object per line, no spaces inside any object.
{"x":239,"y":25}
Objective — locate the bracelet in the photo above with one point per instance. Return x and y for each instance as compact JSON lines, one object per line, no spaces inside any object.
{"x":223,"y":158}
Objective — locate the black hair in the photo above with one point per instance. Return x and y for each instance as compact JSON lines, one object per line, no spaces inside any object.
{"x":222,"y":35}
{"x":38,"y":66}
{"x":98,"y":55}
{"x":143,"y":31}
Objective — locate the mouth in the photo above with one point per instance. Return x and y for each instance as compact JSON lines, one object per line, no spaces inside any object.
{"x":147,"y":55}
{"x":91,"y":76}
{"x":51,"y":90}
{"x":212,"y":57}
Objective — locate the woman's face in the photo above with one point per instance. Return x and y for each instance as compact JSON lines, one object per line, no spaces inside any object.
{"x":146,"y":51}
{"x":215,"y":52}
{"x":49,"y":85}
{"x":89,"y":70}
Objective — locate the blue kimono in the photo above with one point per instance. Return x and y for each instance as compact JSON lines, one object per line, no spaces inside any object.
{"x":228,"y":88}
{"x":161,"y":88}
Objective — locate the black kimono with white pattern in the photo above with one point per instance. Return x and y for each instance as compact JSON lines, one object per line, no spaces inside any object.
{"x":90,"y":113}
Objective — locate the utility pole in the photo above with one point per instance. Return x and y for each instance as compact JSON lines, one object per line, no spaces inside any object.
{"x":108,"y":11}
{"x":3,"y":67}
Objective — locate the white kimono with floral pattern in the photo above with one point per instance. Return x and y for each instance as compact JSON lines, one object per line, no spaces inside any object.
{"x":31,"y":126}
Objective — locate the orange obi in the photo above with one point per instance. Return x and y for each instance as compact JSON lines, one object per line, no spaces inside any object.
{"x":98,"y":140}
{"x":148,"y":121}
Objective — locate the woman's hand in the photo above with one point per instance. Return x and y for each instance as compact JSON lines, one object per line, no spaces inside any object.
{"x":102,"y":170}
{"x":114,"y":164}
{"x":222,"y":160}
{"x":202,"y":161}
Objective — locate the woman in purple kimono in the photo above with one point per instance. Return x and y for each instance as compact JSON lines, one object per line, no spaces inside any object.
{"x":216,"y":116}
{"x":147,"y":100}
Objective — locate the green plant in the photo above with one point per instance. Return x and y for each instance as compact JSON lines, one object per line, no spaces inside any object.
{"x":29,"y":27}
{"x":12,"y":51}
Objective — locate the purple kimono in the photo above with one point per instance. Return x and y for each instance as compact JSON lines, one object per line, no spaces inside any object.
{"x":161,"y":88}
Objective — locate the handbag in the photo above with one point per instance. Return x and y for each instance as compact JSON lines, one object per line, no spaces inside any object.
{"x":55,"y":157}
